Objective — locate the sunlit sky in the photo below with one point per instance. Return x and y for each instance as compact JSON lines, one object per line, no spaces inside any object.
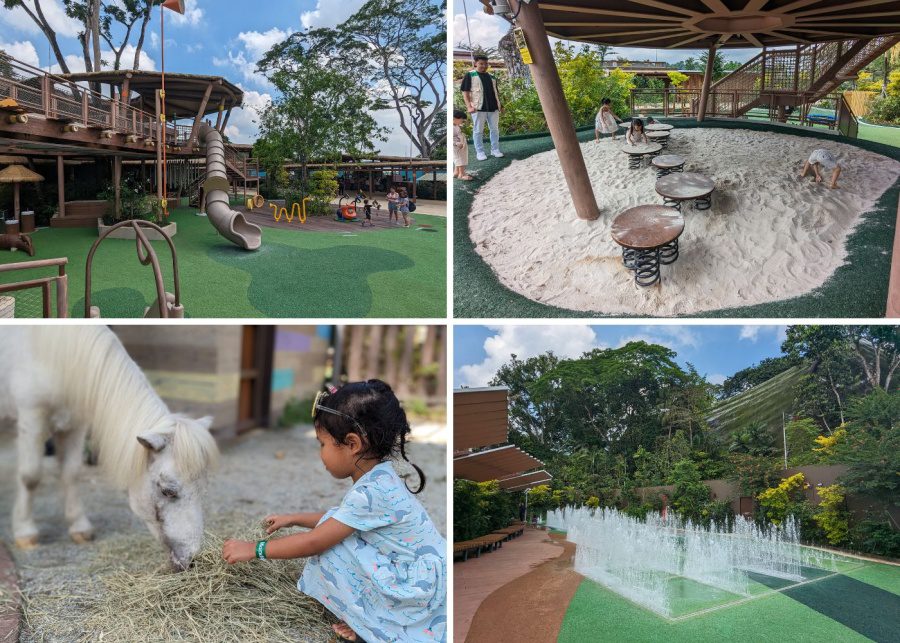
{"x":716,"y":351}
{"x":221,"y":37}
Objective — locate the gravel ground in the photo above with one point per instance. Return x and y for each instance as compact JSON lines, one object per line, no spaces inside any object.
{"x":59,"y":576}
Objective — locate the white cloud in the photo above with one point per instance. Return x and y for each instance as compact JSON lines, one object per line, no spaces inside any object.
{"x":76,"y":62}
{"x":193,"y":14}
{"x":329,"y":14}
{"x":154,"y":40}
{"x":242,"y":126}
{"x":22,"y":50}
{"x":256,"y":44}
{"x":485,"y":30}
{"x":526,"y":341}
{"x":193,"y":49}
{"x":53,"y":11}
{"x":750,"y":332}
{"x":777,"y":333}
{"x":716,"y":378}
{"x":673,"y":337}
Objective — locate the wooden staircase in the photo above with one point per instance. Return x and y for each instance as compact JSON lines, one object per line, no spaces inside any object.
{"x":796,"y":77}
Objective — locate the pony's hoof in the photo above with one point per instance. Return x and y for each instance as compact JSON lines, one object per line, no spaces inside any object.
{"x":26,"y":543}
{"x":81,"y":537}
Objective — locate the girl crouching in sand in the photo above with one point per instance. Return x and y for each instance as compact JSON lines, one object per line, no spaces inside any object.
{"x":819,"y":161}
{"x":376,"y":561}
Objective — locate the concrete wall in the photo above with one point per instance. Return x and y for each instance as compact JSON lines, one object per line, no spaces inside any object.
{"x":195,"y":369}
{"x":822,"y":475}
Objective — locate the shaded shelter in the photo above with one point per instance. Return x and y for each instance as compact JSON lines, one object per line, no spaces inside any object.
{"x":689,"y":24}
{"x":17,"y":174}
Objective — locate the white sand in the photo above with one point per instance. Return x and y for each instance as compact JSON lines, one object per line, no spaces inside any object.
{"x":769,"y":236}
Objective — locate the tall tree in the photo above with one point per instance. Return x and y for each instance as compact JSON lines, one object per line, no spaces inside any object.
{"x":35,"y":11}
{"x":401,"y":44}
{"x":126,"y":13}
{"x":321,"y":108}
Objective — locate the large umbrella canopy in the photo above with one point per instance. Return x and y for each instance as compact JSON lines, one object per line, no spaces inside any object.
{"x":700,"y":24}
{"x":16,"y":174}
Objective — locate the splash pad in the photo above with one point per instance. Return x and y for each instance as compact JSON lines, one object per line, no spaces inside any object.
{"x":677,"y":569}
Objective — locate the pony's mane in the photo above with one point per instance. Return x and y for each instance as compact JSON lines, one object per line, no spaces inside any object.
{"x":102,"y":388}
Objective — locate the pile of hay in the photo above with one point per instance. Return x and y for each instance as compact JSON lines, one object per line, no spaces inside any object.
{"x":212,"y":601}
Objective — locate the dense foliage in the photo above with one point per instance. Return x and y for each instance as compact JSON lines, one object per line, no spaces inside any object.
{"x":614,"y":425}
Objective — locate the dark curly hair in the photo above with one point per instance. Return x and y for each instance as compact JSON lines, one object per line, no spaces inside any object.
{"x":377,"y":410}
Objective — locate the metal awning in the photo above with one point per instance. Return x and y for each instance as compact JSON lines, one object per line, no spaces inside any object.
{"x":700,"y":24}
{"x":514,"y":483}
{"x":494,"y":464}
{"x":479,"y":417}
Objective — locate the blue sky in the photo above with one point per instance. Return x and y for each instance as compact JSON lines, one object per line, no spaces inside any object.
{"x":717,"y":351}
{"x":487,"y":30}
{"x":222,"y":37}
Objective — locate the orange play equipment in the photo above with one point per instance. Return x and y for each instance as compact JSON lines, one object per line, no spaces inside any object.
{"x":348,"y":211}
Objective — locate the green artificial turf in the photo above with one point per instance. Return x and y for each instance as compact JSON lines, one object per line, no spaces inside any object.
{"x":856,"y":289}
{"x":385,"y":273}
{"x":861,"y":605}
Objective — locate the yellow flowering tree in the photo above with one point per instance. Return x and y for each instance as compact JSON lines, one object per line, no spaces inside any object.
{"x":775,"y":501}
{"x":832,"y":515}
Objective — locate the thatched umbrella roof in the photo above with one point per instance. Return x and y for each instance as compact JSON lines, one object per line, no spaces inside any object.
{"x":19,"y":174}
{"x":16,"y":174}
{"x":7,"y":160}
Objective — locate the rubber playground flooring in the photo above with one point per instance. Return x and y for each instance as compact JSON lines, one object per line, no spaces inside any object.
{"x":856,"y":289}
{"x":387,"y":273}
{"x":862,"y":604}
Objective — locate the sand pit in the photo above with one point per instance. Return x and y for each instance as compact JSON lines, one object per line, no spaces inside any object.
{"x":768,"y":236}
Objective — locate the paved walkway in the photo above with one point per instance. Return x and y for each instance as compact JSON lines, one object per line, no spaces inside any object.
{"x":475,"y":579}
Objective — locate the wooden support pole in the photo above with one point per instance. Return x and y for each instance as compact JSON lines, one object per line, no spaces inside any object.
{"x":117,"y":180}
{"x":221,"y":111}
{"x":556,"y":111}
{"x":16,"y":201}
{"x":707,"y":80}
{"x":225,"y":122}
{"x":196,"y":126}
{"x":61,"y":185}
{"x":797,"y":69}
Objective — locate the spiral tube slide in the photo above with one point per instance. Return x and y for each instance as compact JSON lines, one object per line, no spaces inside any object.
{"x":230,"y":224}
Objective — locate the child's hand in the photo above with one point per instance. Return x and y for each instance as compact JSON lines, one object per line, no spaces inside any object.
{"x":238,"y":551}
{"x":274,"y":522}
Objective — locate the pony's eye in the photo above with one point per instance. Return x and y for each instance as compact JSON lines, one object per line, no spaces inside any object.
{"x":168,"y":492}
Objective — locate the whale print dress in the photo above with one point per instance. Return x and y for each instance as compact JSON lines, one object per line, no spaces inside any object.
{"x":388,"y":580}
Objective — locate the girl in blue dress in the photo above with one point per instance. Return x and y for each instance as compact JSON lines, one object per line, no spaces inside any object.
{"x":376,"y":561}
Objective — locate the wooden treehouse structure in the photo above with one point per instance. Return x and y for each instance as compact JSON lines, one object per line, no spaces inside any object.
{"x":45,"y":116}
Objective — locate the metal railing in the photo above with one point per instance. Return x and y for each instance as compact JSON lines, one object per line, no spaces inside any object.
{"x":61,"y":280}
{"x":57,"y":98}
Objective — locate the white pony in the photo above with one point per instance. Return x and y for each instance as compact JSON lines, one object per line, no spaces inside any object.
{"x":71,"y":381}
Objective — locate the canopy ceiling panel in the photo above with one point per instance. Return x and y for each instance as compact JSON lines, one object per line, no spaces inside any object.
{"x":536,"y":477}
{"x":493,"y":464}
{"x":479,"y":418}
{"x":699,"y":24}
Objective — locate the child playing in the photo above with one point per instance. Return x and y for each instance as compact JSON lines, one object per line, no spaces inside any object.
{"x":605,"y":122}
{"x":636,"y":134}
{"x":392,"y":198}
{"x":822,"y":160}
{"x":367,"y":208}
{"x":403,"y":207}
{"x":460,"y":147}
{"x":376,"y":561}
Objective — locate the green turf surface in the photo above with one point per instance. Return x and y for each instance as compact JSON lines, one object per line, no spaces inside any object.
{"x":861,"y":605}
{"x":856,"y":289}
{"x":886,"y":135}
{"x":386,"y":273}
